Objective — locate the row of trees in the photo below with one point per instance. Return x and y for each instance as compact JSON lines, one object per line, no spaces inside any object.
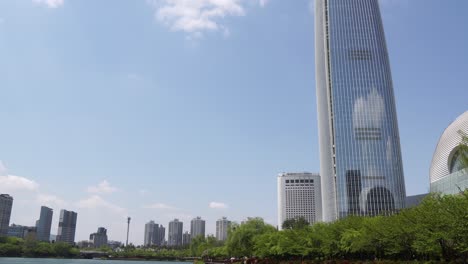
{"x":435,"y":230}
{"x":16,"y":247}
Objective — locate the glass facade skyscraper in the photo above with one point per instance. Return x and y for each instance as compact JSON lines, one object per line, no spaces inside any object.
{"x":360,"y":157}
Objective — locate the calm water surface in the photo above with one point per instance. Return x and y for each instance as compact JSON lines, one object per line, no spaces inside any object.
{"x":78,"y":261}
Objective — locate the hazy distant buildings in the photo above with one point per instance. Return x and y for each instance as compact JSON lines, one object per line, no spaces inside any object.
{"x":16,"y":231}
{"x":149,"y":232}
{"x":44,"y":224}
{"x":299,"y":195}
{"x":99,"y":238}
{"x":360,"y":158}
{"x":67,"y":227}
{"x":20,"y":231}
{"x":197,"y":227}
{"x":175,"y":233}
{"x":114,"y":244}
{"x":186,"y":238}
{"x":448,"y":174}
{"x":6,"y":203}
{"x":154,"y":234}
{"x":222,"y":227}
{"x":160,"y":235}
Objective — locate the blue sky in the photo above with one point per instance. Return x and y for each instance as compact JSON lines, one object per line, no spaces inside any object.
{"x":178,"y":108}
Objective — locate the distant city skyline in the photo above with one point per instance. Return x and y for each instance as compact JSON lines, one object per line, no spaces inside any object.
{"x":111,"y":110}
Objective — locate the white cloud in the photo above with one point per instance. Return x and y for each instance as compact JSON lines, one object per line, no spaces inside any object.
{"x":10,"y":183}
{"x":50,"y":200}
{"x":217,"y":205}
{"x":197,"y":16}
{"x":160,"y":206}
{"x":50,"y":3}
{"x":96,"y":202}
{"x":103,"y":187}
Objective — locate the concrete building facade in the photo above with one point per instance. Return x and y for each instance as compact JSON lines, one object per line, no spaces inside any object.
{"x":197,"y":227}
{"x":99,"y":238}
{"x":222,"y":227}
{"x":67,"y":227}
{"x":299,"y":195}
{"x":175,"y":233}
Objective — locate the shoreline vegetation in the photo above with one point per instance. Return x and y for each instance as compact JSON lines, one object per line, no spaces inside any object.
{"x":434,"y":231}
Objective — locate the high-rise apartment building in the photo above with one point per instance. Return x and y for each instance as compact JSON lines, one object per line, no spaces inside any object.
{"x":186,"y":238}
{"x":44,"y":224}
{"x":222,"y":227}
{"x":159,"y":235}
{"x":299,"y":195}
{"x":175,"y":233}
{"x":197,"y":227}
{"x":149,"y":233}
{"x":67,"y":227}
{"x":99,"y":238}
{"x":154,"y":234}
{"x":360,"y":157}
{"x":6,"y":204}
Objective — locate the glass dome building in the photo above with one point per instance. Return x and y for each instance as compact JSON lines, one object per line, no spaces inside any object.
{"x":447,"y":175}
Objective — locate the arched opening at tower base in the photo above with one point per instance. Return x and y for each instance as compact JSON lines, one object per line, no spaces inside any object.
{"x":380,"y":202}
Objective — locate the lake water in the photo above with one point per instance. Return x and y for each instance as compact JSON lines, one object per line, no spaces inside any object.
{"x":79,"y":261}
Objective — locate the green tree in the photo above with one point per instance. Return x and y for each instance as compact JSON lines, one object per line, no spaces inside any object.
{"x":64,"y":250}
{"x":295,"y":223}
{"x":10,"y":250}
{"x":240,"y":240}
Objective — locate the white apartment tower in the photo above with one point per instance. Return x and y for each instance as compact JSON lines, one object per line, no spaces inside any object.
{"x":197,"y":227}
{"x":299,"y":195}
{"x":222,"y":226}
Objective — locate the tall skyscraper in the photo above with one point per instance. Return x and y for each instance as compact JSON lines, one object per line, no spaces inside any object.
{"x":44,"y":223}
{"x":154,"y":234}
{"x":222,"y":227}
{"x":99,"y":238}
{"x":197,"y":227}
{"x":6,"y":204}
{"x":67,"y":227}
{"x":299,"y":196}
{"x":175,"y":233}
{"x":360,"y":157}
